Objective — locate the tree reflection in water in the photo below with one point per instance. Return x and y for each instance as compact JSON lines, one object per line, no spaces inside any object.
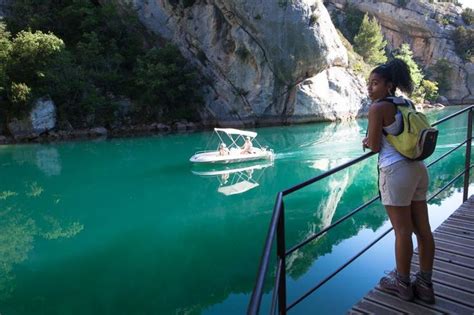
{"x":21,"y":225}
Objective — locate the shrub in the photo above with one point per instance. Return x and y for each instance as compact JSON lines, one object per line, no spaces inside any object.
{"x":468,"y":16}
{"x":313,"y":19}
{"x":441,"y":72}
{"x":464,"y":43}
{"x":20,"y":94}
{"x":430,"y":89}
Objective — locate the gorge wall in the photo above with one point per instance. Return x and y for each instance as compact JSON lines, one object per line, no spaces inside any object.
{"x":428,"y":29}
{"x":262,"y":61}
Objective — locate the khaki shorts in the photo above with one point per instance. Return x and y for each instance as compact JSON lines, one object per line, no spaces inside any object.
{"x":402,"y":182}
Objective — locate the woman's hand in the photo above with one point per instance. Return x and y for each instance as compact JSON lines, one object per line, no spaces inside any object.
{"x":365,"y":143}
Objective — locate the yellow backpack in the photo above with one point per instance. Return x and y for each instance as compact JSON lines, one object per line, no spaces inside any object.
{"x":417,"y":141}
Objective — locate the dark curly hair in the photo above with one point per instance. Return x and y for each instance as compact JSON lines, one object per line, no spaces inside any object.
{"x":397,"y":72}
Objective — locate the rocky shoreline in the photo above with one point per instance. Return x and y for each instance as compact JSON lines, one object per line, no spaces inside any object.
{"x":155,"y":129}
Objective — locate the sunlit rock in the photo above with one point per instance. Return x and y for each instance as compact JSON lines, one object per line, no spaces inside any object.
{"x":428,"y":29}
{"x":254,"y":55}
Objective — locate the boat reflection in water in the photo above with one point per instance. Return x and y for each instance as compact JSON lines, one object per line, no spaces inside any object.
{"x":236,"y":179}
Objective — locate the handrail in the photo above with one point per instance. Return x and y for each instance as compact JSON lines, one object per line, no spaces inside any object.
{"x":277,"y":226}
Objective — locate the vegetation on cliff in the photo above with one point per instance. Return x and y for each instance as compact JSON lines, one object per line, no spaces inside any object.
{"x":88,"y":59}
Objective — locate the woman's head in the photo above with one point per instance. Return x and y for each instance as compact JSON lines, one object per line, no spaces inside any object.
{"x":385,"y":79}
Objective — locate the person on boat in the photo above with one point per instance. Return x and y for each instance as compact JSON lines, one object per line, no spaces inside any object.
{"x":403,"y":185}
{"x":223,"y":150}
{"x":247,"y":147}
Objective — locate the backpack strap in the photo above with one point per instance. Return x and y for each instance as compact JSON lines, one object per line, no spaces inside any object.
{"x":391,"y":99}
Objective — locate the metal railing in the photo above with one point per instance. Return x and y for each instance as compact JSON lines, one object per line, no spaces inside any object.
{"x":277,"y":228}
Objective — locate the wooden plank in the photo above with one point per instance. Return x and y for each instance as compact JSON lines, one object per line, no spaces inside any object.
{"x":355,"y":311}
{"x":468,"y":214}
{"x":454,"y":258}
{"x":456,"y":226}
{"x":444,"y":266}
{"x":451,"y":280}
{"x":453,"y":294}
{"x":384,"y":298}
{"x":370,"y":307}
{"x":448,"y":307}
{"x":455,"y":231}
{"x":460,"y":216}
{"x":455,"y":248}
{"x":449,"y":238}
{"x":460,"y":223}
{"x":453,"y":276}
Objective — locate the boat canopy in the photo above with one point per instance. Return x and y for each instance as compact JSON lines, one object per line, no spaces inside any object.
{"x":237,"y":188}
{"x":232,"y":131}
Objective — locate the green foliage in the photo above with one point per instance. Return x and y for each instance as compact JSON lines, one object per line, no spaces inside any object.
{"x":167,"y":87}
{"x":468,"y":16}
{"x":441,"y":72}
{"x":313,"y":19}
{"x":430,"y":89}
{"x":369,"y":41}
{"x":20,"y":94}
{"x":349,"y":22}
{"x":403,"y":3}
{"x":90,"y":62}
{"x":406,"y":55}
{"x":5,"y":49}
{"x":31,"y":55}
{"x":243,"y":53}
{"x":356,"y":62}
{"x":464,"y":43}
{"x":27,"y":68}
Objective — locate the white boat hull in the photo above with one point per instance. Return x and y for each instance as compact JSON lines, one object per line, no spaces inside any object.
{"x":233,"y":157}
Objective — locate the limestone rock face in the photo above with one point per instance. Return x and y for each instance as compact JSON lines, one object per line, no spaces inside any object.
{"x":332,"y":94}
{"x":422,"y":25}
{"x":42,"y":118}
{"x":254,"y":55}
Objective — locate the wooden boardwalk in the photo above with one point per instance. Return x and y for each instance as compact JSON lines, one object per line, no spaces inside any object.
{"x":453,"y":274}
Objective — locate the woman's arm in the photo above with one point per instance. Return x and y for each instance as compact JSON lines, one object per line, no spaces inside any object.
{"x":375,"y":127}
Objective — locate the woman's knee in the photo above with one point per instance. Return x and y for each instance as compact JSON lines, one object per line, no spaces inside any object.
{"x":404,"y":231}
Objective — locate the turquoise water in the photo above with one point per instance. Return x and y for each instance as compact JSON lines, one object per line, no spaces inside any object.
{"x":126,"y":226}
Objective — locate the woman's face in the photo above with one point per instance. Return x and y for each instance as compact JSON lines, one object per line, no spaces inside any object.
{"x":377,"y":87}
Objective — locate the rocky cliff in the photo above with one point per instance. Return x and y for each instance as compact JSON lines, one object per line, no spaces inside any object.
{"x":272,"y":61}
{"x":428,"y":28}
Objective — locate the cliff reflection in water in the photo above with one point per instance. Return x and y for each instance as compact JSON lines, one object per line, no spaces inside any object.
{"x":162,"y":240}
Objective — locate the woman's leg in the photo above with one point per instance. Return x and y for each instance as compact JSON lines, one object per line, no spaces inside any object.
{"x":422,"y":229}
{"x":401,"y":219}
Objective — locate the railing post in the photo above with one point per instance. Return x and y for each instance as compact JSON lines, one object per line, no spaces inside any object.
{"x":281,"y":250}
{"x":468,"y":156}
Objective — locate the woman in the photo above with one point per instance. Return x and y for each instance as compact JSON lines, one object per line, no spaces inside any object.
{"x":403,"y":184}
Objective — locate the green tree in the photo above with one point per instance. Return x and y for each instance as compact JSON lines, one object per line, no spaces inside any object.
{"x":441,"y":72}
{"x":369,"y":41}
{"x":5,"y":49}
{"x":166,"y":84}
{"x":405,"y":54}
{"x":28,"y":67}
{"x":430,"y":89}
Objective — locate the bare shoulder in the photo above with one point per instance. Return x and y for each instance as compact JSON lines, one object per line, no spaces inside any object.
{"x":383,"y":108}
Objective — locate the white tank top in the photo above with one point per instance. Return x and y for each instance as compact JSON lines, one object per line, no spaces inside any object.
{"x":388,"y":154}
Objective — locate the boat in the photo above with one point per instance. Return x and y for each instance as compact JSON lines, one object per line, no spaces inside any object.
{"x":230,"y":149}
{"x":233,"y":181}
